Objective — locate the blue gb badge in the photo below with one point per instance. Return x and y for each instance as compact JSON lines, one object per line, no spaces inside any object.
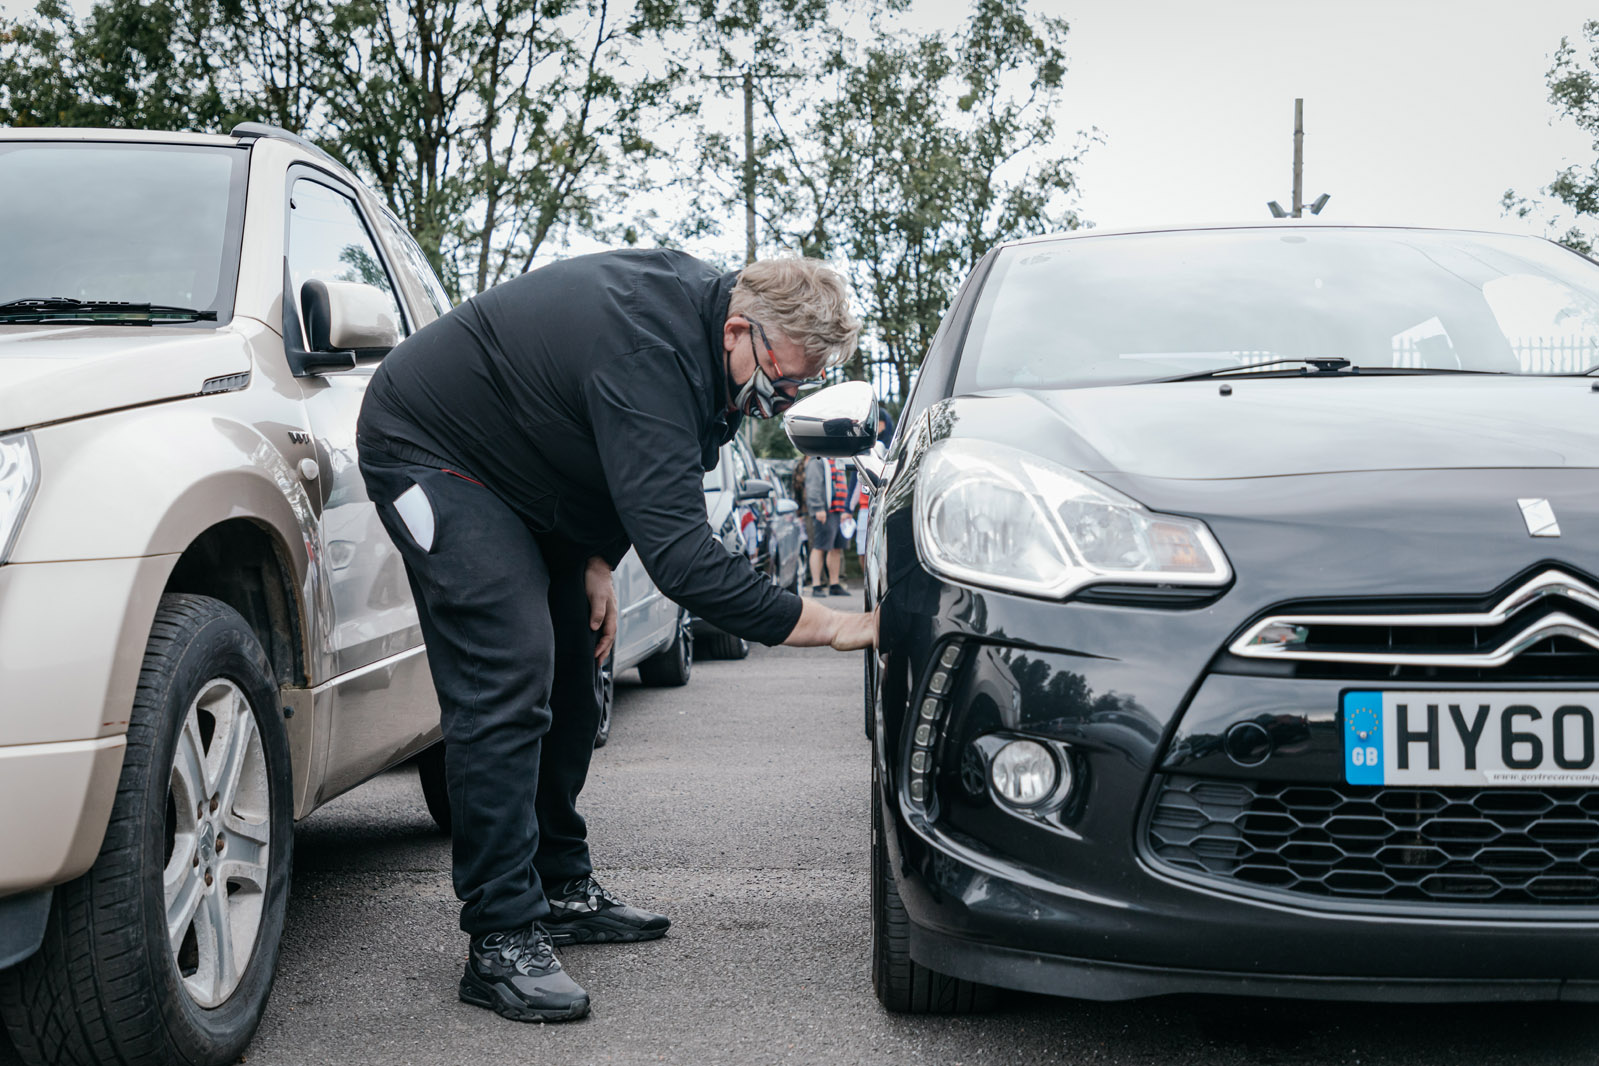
{"x":1363,"y":738}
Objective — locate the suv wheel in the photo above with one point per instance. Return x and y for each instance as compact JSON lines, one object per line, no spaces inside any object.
{"x":902,"y":984}
{"x":166,"y":949}
{"x":672,"y":664}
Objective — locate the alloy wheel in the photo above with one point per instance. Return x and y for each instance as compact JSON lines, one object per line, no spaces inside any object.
{"x":218,"y":842}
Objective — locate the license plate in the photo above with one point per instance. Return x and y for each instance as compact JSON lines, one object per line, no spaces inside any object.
{"x":1470,"y":738}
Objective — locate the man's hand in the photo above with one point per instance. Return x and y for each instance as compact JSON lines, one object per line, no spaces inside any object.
{"x":820,"y":516}
{"x":602,"y":605}
{"x":820,"y":626}
{"x":854,"y":632}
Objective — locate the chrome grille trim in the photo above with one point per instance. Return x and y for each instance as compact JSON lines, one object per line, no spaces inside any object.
{"x":1548,"y":583}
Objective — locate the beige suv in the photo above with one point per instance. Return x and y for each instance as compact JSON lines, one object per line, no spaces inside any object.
{"x":204,"y":631}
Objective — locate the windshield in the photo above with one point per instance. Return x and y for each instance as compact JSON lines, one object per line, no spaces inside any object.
{"x":140,"y":223}
{"x":1143,"y":307}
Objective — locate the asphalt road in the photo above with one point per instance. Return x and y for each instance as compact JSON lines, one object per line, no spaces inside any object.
{"x":738,"y":805}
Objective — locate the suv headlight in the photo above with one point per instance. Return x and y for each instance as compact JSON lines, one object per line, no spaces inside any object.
{"x":19,"y":475}
{"x":992,"y":515}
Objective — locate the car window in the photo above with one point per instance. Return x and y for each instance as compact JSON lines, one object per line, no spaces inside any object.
{"x":328,"y":241}
{"x":138,"y":223}
{"x":1138,"y":307}
{"x":417,"y":262}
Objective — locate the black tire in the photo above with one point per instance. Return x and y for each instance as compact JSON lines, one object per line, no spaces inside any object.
{"x":430,"y":771}
{"x":672,"y":665}
{"x":903,"y":985}
{"x":607,"y":700}
{"x":719,"y":645}
{"x":106,"y":987}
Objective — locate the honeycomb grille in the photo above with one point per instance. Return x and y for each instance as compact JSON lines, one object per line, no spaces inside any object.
{"x":1455,"y":845}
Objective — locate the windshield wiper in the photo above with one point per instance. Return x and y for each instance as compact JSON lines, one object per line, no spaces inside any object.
{"x":1327,"y":365}
{"x":110,"y":312}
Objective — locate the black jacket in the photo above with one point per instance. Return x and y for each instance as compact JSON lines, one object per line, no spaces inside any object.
{"x":590,"y":395}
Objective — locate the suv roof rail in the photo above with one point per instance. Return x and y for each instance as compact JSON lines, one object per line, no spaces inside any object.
{"x":256,"y":130}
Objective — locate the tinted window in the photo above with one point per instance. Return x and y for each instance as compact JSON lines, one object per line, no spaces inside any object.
{"x":328,"y":241}
{"x":1103,"y":310}
{"x":140,"y":223}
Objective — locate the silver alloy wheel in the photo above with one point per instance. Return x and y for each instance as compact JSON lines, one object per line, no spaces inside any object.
{"x":685,"y":641}
{"x":218,"y":840}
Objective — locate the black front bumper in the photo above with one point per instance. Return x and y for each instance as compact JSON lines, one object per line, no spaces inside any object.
{"x":1078,"y":902}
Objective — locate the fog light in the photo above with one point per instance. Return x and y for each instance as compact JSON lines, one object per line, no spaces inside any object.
{"x":1023,"y":773}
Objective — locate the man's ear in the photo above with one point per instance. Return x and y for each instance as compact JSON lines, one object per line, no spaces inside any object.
{"x":733,"y":331}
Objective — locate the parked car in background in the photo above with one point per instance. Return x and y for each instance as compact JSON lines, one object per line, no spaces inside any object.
{"x":790,"y":546}
{"x":1240,"y":623}
{"x":652,"y":634}
{"x":205,"y":632}
{"x":740,"y":506}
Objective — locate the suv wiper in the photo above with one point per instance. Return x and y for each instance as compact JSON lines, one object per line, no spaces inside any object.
{"x":110,"y":312}
{"x":1329,"y":365}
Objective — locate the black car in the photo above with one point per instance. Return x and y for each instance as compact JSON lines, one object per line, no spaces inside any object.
{"x":1239,"y":599}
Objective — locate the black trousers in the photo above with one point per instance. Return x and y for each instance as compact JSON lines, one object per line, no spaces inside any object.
{"x":512,"y":657}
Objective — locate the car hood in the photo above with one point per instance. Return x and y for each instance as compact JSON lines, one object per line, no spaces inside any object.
{"x":54,"y":373}
{"x":1301,"y":425}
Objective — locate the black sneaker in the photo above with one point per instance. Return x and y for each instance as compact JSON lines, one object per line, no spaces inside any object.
{"x":516,"y":975}
{"x":838,"y":590}
{"x":818,"y":590}
{"x":581,"y":912}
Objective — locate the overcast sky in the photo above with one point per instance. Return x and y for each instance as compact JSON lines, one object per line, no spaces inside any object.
{"x":1421,"y":111}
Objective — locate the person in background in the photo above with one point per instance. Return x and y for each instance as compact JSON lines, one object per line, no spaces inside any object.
{"x":826,"y":501}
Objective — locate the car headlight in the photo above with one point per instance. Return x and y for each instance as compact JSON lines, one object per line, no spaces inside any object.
{"x":988,"y":514}
{"x":19,"y":475}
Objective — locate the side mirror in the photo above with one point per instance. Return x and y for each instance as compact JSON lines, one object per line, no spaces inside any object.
{"x":836,"y":423}
{"x":787,"y":507}
{"x":348,"y":316}
{"x":840,"y":422}
{"x":753,"y":488}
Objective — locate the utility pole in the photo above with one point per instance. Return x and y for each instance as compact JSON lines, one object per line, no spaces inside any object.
{"x":1299,"y":204}
{"x":1299,"y":157}
{"x":749,"y":165}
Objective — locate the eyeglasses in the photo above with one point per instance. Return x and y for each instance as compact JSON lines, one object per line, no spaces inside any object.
{"x":780,"y":401}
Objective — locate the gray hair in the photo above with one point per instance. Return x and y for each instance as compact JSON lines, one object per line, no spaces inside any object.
{"x":803,"y":299}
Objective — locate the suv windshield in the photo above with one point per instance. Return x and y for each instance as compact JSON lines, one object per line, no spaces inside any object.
{"x":119,"y":222}
{"x":1147,"y":307}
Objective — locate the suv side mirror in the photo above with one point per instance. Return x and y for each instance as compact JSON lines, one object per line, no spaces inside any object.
{"x":348,"y":316}
{"x":753,"y":488}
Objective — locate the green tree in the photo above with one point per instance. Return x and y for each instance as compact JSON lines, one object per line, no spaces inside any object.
{"x":1573,"y":81}
{"x":943,"y":146}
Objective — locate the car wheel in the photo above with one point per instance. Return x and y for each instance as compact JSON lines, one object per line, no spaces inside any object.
{"x":607,"y":700}
{"x":165,"y":950}
{"x":430,"y":771}
{"x":721,"y":645}
{"x":903,"y":985}
{"x":671,"y":665}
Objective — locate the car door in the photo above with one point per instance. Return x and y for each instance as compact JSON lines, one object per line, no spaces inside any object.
{"x":379,"y":703}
